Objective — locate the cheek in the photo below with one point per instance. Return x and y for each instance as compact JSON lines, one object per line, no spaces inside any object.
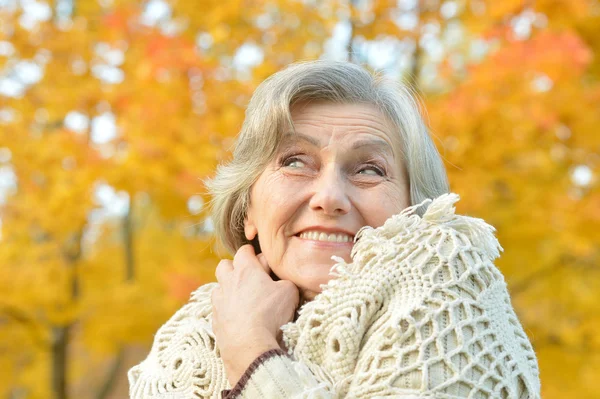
{"x":379,"y":207}
{"x":277,"y":201}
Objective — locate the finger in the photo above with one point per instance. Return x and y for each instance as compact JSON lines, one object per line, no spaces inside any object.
{"x":215,"y":299}
{"x":243,"y":254}
{"x":224,"y":269}
{"x":213,"y":296}
{"x":291,"y":290}
{"x":263,"y":262}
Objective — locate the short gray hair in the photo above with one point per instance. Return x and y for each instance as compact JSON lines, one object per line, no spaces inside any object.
{"x":268,"y":117}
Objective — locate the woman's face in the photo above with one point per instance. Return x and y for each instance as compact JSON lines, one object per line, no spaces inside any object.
{"x":341,"y":170}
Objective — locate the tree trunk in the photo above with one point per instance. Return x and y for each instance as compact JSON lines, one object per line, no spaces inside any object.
{"x":115,"y":369}
{"x":61,"y":334}
{"x":60,"y":345}
{"x":128,"y":242}
{"x":415,"y":70}
{"x":349,"y":51}
{"x":112,"y":376}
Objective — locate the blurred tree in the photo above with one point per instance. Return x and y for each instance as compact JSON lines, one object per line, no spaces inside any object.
{"x":104,"y":234}
{"x":519,"y":137}
{"x":118,"y":111}
{"x":512,"y":92}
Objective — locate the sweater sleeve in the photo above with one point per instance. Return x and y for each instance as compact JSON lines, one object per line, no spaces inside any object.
{"x":184,"y":360}
{"x":275,"y":375}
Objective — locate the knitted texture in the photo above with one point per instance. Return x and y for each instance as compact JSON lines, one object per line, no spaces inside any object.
{"x":184,"y":361}
{"x":258,"y":362}
{"x":421,"y":311}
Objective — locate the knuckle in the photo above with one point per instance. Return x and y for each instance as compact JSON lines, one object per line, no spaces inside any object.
{"x":243,"y":255}
{"x":247,"y":247}
{"x":245,"y":250}
{"x":222,"y":267}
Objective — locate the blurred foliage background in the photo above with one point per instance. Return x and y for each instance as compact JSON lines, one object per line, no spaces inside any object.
{"x":113,"y":111}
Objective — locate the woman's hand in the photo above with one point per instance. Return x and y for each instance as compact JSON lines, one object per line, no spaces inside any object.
{"x":248,"y":310}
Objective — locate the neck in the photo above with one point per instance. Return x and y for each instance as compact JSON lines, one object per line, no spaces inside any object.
{"x":306,"y":296}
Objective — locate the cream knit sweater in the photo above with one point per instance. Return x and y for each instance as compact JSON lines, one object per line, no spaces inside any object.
{"x":421,"y":312}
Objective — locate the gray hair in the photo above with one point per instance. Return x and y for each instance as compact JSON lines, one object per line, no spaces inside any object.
{"x":268,"y":117}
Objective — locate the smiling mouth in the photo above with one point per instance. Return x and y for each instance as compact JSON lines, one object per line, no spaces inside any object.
{"x":320,"y":236}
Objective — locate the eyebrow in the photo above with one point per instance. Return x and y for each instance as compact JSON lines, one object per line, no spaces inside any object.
{"x":377,"y":144}
{"x":293,"y":136}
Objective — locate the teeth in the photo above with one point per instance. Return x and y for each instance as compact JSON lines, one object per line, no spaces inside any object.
{"x":319,"y":236}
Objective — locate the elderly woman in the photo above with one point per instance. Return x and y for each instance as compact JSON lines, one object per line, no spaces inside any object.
{"x":352,"y":275}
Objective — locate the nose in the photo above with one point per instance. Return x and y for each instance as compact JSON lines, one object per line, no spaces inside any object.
{"x":330,"y":196}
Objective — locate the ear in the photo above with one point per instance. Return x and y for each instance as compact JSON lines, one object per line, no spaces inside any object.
{"x":250,"y":230}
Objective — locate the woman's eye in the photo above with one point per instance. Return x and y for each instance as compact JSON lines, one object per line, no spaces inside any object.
{"x":371,"y":171}
{"x":294,"y":162}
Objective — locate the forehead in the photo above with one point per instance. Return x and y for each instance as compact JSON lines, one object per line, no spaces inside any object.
{"x":327,"y":122}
